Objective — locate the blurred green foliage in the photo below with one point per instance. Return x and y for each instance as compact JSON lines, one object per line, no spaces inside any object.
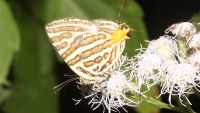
{"x":9,"y":44}
{"x":26,"y":56}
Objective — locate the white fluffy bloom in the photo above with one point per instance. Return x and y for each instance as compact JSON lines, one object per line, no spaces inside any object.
{"x":182,"y":29}
{"x":165,"y":46}
{"x":162,"y":63}
{"x":151,"y":64}
{"x":194,"y":41}
{"x":149,"y":67}
{"x":179,"y":80}
{"x":111,"y":93}
{"x":195,"y":60}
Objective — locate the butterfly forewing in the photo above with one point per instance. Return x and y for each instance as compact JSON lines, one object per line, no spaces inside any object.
{"x":86,"y":46}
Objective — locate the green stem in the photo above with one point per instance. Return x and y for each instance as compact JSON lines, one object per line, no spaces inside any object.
{"x":197,"y":93}
{"x":158,"y":103}
{"x":190,"y":110}
{"x":186,"y":108}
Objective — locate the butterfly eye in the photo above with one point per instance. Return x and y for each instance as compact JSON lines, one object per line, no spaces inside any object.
{"x":126,"y":27}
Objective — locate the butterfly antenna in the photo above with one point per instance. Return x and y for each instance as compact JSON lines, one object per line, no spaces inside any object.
{"x":60,"y":86}
{"x":136,"y":30}
{"x":119,"y":14}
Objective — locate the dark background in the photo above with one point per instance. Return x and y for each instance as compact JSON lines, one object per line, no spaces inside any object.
{"x":159,"y":14}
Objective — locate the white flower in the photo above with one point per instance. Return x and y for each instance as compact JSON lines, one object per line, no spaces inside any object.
{"x":165,"y":46}
{"x":195,"y":60}
{"x":179,"y":80}
{"x":182,"y":29}
{"x":151,"y":64}
{"x":194,"y":41}
{"x":148,"y":69}
{"x":111,"y":93}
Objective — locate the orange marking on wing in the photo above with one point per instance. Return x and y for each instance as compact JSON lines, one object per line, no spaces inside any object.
{"x":89,"y":63}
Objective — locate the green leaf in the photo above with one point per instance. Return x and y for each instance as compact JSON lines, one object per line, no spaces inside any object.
{"x":9,"y":39}
{"x":33,"y":70}
{"x":196,"y":18}
{"x":9,"y":44}
{"x":104,"y":11}
{"x":62,"y":8}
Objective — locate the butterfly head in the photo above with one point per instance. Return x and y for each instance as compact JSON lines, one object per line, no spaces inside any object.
{"x":121,"y":33}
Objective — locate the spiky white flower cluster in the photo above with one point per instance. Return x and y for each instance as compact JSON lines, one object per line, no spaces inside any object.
{"x":172,"y":62}
{"x":151,"y":63}
{"x":182,"y":29}
{"x":194,"y":41}
{"x":113,"y":92}
{"x":179,"y":80}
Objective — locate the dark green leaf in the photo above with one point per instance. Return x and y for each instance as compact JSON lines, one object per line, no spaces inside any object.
{"x":9,"y":44}
{"x":33,"y":75}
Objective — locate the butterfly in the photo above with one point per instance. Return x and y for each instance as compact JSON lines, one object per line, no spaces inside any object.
{"x":89,"y":48}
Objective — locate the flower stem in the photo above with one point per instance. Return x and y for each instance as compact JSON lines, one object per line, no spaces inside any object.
{"x":158,"y":103}
{"x":197,"y":93}
{"x":186,"y":108}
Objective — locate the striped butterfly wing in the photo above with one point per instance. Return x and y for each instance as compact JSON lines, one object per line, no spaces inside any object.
{"x":86,"y":46}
